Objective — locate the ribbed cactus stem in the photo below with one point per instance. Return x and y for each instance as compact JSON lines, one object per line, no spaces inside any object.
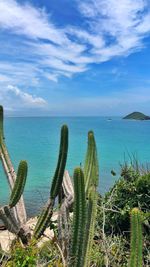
{"x":76,"y":251}
{"x":61,"y":164}
{"x":1,"y":124}
{"x":136,"y":239}
{"x":91,"y":175}
{"x":91,"y":169}
{"x":19,"y":184}
{"x":46,"y":214}
{"x":90,"y":225}
{"x":44,"y":219}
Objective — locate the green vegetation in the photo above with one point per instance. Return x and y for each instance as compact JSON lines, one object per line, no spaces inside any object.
{"x":137,"y":116}
{"x":91,"y":230}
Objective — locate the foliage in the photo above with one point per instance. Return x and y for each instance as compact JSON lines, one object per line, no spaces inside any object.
{"x":23,"y":256}
{"x":113,"y":213}
{"x":123,"y":196}
{"x":116,"y":253}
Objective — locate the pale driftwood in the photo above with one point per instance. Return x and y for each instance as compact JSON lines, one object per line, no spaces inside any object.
{"x":63,"y":218}
{"x":6,"y":237}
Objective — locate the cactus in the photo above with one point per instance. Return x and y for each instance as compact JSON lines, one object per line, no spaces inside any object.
{"x":58,"y":176}
{"x":19,"y":184}
{"x":19,"y":209}
{"x":85,"y":206}
{"x":91,"y":171}
{"x":44,"y":219}
{"x":136,"y":239}
{"x":7,"y":214}
{"x":79,"y":217}
{"x":1,"y":124}
{"x":46,"y":214}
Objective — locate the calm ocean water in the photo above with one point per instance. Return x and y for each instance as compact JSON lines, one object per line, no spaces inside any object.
{"x":37,"y":141}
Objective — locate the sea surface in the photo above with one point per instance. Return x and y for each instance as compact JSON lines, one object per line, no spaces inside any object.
{"x":37,"y":141}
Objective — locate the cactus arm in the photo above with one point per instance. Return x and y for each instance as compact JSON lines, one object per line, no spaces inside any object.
{"x":1,"y":124}
{"x":44,"y":219}
{"x":136,"y":239}
{"x":19,"y":184}
{"x":76,"y":251}
{"x":59,"y":172}
{"x":19,"y":210}
{"x":46,"y":214}
{"x":91,"y":169}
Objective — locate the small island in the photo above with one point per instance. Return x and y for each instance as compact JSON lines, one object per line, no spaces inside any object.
{"x":137,"y":116}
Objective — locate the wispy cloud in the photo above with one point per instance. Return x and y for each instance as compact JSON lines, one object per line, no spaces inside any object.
{"x":113,"y":29}
{"x":39,"y":49}
{"x":122,"y":24}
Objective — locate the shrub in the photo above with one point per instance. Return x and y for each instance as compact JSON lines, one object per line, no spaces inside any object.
{"x":123,"y":196}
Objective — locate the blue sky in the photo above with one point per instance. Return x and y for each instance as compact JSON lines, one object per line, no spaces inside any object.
{"x":74,"y":58}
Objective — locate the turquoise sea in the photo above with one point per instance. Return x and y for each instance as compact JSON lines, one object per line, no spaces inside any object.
{"x":37,"y":141}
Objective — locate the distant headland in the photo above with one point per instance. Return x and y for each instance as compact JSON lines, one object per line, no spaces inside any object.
{"x":137,"y":116}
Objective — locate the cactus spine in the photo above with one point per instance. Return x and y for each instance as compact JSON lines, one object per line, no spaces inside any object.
{"x":19,"y":184}
{"x":136,"y":239}
{"x":76,"y":251}
{"x":46,"y":214}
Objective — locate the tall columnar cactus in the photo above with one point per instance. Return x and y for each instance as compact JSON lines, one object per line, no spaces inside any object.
{"x":81,"y":248}
{"x":76,"y":257}
{"x":46,"y":214}
{"x":136,"y":239}
{"x":91,"y":174}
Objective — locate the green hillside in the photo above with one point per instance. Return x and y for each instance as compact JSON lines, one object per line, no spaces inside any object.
{"x":137,"y":116}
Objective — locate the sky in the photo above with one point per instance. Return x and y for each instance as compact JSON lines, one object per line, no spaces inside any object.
{"x":74,"y":58}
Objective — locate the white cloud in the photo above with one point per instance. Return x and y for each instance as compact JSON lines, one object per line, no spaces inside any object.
{"x":14,"y":98}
